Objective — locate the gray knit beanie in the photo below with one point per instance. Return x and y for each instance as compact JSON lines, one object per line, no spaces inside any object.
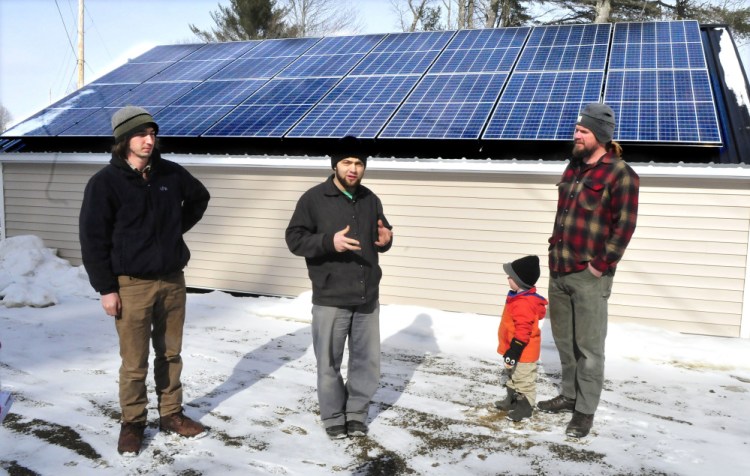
{"x":599,"y":119}
{"x":129,"y":120}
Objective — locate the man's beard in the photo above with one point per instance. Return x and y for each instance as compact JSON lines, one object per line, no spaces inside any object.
{"x":581,"y":152}
{"x":342,"y":180}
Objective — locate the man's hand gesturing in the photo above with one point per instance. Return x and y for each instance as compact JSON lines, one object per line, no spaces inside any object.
{"x":343,"y":243}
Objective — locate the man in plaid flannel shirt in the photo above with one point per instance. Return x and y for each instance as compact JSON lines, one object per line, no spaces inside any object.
{"x":597,"y":209}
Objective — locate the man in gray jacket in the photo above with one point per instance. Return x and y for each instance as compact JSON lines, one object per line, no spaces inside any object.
{"x":339,"y":227}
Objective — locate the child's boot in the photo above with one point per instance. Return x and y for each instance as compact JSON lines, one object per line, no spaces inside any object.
{"x":509,"y":401}
{"x":521,"y":409}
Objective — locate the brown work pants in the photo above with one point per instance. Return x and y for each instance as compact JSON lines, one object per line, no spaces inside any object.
{"x":152,"y":309}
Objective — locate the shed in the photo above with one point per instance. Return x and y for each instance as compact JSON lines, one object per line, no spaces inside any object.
{"x":468,"y":133}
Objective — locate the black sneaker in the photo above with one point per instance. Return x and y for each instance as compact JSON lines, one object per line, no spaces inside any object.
{"x":522,"y":409}
{"x":559,"y":404}
{"x":579,"y":425}
{"x":356,"y":428}
{"x":336,"y":432}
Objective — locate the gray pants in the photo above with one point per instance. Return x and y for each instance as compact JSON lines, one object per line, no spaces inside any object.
{"x":578,"y":316}
{"x":331,"y":326}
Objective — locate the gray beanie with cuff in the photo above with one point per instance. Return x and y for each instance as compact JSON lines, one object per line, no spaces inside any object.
{"x":599,"y":119}
{"x":129,"y":120}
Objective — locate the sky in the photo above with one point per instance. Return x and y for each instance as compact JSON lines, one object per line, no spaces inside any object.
{"x":673,"y":404}
{"x":38,"y":40}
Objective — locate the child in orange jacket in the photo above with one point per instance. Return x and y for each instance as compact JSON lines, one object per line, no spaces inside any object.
{"x":519,"y":337}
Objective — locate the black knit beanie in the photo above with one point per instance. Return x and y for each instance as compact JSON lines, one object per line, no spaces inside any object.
{"x":348,"y":146}
{"x":524,"y":271}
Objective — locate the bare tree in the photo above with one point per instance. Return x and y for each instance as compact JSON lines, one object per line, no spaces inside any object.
{"x":321,"y":17}
{"x":5,"y":118}
{"x":411,"y":13}
{"x":735,"y":13}
{"x":603,"y":10}
{"x":503,"y":13}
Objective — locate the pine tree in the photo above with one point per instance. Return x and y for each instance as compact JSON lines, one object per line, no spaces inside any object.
{"x":246,"y":20}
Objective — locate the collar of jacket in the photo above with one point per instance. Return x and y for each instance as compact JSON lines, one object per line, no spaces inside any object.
{"x":333,"y":190}
{"x":607,"y":158}
{"x":514,"y":294}
{"x":123,"y":164}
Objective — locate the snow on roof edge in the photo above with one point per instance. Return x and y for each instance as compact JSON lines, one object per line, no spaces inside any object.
{"x":541,"y":167}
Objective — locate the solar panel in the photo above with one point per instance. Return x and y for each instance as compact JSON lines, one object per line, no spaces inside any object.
{"x":189,"y":121}
{"x":273,"y":108}
{"x":281,"y":47}
{"x":147,"y":65}
{"x":54,"y":121}
{"x":658,"y":84}
{"x":495,"y":84}
{"x":220,"y":93}
{"x":94,"y":95}
{"x":280,"y":103}
{"x":361,"y":104}
{"x":560,"y":70}
{"x":358,"y":106}
{"x":191,"y":70}
{"x":151,"y":96}
{"x":222,"y":51}
{"x":457,"y":94}
{"x":332,"y":56}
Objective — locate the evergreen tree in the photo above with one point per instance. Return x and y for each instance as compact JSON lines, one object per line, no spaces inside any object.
{"x":246,"y":20}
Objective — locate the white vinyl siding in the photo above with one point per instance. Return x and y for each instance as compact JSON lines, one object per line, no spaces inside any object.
{"x":684,"y":270}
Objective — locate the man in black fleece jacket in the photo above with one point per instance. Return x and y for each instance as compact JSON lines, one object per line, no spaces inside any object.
{"x":133,"y":217}
{"x":339,"y":227}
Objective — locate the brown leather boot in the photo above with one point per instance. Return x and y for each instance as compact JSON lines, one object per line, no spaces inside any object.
{"x":180,"y":424}
{"x":131,"y":438}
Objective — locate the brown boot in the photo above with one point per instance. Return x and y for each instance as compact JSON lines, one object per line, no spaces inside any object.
{"x":180,"y":424}
{"x":131,"y":438}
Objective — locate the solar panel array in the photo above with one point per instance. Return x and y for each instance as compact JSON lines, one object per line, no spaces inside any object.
{"x":560,"y":70}
{"x":658,"y":84}
{"x":492,"y":84}
{"x":364,"y":101}
{"x":456,"y":96}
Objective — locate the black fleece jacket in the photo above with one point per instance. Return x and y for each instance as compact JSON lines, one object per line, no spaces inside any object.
{"x":133,"y":227}
{"x":343,"y":279}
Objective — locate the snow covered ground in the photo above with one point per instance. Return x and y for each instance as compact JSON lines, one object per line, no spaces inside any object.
{"x":672,"y":404}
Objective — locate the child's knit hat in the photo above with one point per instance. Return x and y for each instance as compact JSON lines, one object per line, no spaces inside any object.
{"x":524,"y":271}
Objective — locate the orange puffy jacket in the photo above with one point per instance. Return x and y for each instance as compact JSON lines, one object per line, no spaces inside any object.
{"x":521,"y":320}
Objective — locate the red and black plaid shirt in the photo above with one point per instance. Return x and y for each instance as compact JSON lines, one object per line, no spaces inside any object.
{"x":597,"y":208}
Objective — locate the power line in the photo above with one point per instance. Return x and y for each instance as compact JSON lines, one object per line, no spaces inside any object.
{"x":67,"y":34}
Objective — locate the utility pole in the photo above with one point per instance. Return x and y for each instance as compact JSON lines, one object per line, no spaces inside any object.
{"x":80,"y":44}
